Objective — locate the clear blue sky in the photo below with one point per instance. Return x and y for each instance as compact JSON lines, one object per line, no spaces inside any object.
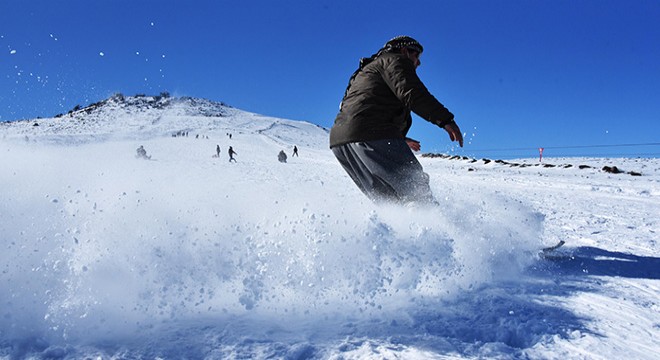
{"x":518,"y":74}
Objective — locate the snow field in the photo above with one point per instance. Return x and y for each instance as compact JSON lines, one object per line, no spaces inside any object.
{"x":188,"y":255}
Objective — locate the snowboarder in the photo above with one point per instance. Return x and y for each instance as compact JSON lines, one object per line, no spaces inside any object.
{"x":142,"y":153}
{"x":231,"y":154}
{"x":368,"y":137}
{"x":281,"y":156}
{"x":295,"y":151}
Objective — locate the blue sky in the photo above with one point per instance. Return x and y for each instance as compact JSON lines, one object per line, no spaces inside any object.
{"x":568,"y":75}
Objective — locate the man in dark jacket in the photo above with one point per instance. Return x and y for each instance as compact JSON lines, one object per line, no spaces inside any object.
{"x":369,"y":134}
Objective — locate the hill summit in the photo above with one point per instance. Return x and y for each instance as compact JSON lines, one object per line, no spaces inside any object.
{"x":142,"y":103}
{"x":145,"y":117}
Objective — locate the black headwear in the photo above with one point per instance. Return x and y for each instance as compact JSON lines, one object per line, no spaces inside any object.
{"x":400,"y":42}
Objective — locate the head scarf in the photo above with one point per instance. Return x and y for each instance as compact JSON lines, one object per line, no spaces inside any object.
{"x":401,"y":42}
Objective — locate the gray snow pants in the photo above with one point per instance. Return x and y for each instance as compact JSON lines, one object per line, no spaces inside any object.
{"x":385,"y":171}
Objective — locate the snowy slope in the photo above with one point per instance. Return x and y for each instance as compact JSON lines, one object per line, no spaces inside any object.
{"x":188,"y":255}
{"x":146,"y":117}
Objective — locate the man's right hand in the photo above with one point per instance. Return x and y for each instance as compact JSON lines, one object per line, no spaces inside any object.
{"x":454,"y":133}
{"x":414,"y":145}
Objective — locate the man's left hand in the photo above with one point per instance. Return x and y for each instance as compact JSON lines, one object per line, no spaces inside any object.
{"x":454,"y":133}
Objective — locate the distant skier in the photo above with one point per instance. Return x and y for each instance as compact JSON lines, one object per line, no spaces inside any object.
{"x":217,"y":151}
{"x":281,"y":156}
{"x":231,"y":154}
{"x":142,"y":153}
{"x":295,"y":151}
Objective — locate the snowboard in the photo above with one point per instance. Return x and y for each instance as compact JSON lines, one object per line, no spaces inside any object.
{"x":547,"y":252}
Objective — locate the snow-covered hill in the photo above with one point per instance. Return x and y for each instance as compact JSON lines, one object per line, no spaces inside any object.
{"x":146,"y":117}
{"x":105,"y":255}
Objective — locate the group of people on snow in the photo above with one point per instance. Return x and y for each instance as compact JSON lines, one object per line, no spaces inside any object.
{"x":142,"y":153}
{"x":281,"y":157}
{"x":231,"y":153}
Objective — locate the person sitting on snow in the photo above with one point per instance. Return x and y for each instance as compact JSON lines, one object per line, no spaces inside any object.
{"x":281,"y":156}
{"x":142,"y":153}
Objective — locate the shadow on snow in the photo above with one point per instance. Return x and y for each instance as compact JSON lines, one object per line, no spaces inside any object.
{"x":508,"y":318}
{"x":588,"y":260}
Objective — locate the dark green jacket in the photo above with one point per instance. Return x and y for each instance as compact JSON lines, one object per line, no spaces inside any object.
{"x":379,"y":100}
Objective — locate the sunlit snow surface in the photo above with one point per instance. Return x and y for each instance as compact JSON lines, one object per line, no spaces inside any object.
{"x":188,"y":255}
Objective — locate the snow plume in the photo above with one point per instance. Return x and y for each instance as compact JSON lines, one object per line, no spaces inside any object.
{"x":114,"y":246}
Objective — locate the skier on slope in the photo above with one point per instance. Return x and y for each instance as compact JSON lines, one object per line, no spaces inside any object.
{"x":231,"y":154}
{"x":368,"y":137}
